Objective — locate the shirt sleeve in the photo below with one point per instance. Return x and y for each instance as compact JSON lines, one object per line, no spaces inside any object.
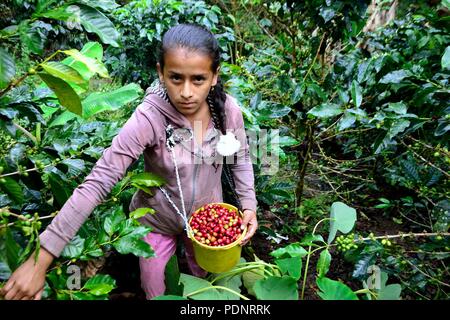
{"x":242,"y":166}
{"x":126,"y":147}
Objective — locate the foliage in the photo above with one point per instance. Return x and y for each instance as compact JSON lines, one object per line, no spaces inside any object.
{"x":350,"y":116}
{"x":142,"y":24}
{"x":370,"y":110}
{"x":278,"y":281}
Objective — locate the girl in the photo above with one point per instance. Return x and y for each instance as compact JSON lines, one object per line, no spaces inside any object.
{"x":182,"y":128}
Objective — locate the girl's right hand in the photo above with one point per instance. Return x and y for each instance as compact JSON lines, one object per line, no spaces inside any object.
{"x":27,"y":282}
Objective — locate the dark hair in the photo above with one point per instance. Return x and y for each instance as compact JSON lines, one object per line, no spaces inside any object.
{"x":199,"y":39}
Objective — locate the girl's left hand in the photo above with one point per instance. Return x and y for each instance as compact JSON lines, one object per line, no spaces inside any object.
{"x":249,"y":220}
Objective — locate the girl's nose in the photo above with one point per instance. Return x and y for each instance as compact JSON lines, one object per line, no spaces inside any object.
{"x":186,"y":91}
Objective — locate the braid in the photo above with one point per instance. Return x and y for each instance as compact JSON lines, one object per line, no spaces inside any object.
{"x":217,"y":99}
{"x":216,"y":102}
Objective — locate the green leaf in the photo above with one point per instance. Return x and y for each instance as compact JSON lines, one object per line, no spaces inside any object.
{"x":356,"y":94}
{"x":442,"y":128}
{"x":5,"y":272}
{"x":59,"y":188}
{"x":147,"y":179}
{"x":105,"y":5}
{"x":397,"y":107}
{"x":251,"y":276}
{"x":172,"y":277}
{"x":74,"y":248}
{"x":388,"y":292}
{"x":66,"y":95}
{"x":272,"y":111}
{"x":92,"y":50}
{"x":334,"y":290}
{"x":92,"y":64}
{"x":291,"y":250}
{"x":326,"y":110}
{"x":63,"y":118}
{"x":112,"y":222}
{"x":395,"y":76}
{"x":129,"y":244}
{"x":346,"y":121}
{"x":31,"y":37}
{"x":276,"y":288}
{"x":113,"y":100}
{"x":64,"y":72}
{"x":310,"y":239}
{"x":96,"y":22}
{"x":60,"y":13}
{"x":7,"y":68}
{"x":86,"y":296}
{"x":192,"y":284}
{"x":323,"y":264}
{"x":12,"y":250}
{"x":233,"y":282}
{"x":140,"y":212}
{"x":362,"y":265}
{"x":248,"y":115}
{"x":131,"y":239}
{"x":382,"y":206}
{"x":446,"y":3}
{"x":290,"y":266}
{"x":397,"y":127}
{"x":43,"y":4}
{"x":13,"y":189}
{"x":327,"y":13}
{"x":360,"y":113}
{"x":76,"y":166}
{"x":100,"y":284}
{"x":343,"y":218}
{"x":445,"y":61}
{"x":285,"y":141}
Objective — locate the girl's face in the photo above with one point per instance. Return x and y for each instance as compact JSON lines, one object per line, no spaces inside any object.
{"x":188,"y":78}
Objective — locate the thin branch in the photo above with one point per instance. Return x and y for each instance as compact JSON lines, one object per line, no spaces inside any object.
{"x":428,"y":146}
{"x":25,"y":132}
{"x":425,"y":160}
{"x":346,"y":131}
{"x":315,"y":58}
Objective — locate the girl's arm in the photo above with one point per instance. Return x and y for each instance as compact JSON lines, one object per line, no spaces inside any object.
{"x":28,"y":280}
{"x":136,"y":135}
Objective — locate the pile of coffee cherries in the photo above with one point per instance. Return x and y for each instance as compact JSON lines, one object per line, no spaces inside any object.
{"x":214,"y":225}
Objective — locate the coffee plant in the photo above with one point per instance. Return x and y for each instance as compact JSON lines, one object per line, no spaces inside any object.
{"x":357,"y":207}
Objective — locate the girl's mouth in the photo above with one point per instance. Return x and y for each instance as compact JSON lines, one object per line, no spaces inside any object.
{"x":187,"y":104}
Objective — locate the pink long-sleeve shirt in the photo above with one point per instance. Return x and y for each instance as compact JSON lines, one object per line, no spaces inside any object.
{"x":145,"y":133}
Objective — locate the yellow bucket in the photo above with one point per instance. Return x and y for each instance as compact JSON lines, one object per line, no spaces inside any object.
{"x":218,"y":259}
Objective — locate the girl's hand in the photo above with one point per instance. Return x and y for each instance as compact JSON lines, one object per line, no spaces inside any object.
{"x":249,"y":220}
{"x":27,"y":282}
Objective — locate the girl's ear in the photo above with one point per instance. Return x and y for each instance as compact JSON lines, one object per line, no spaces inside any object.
{"x":160,"y":73}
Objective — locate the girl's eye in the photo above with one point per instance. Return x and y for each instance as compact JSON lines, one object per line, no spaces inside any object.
{"x":199,"y":79}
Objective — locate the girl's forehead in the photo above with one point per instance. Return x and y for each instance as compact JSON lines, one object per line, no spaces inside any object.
{"x":186,"y":58}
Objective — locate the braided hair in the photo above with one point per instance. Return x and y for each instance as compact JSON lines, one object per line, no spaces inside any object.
{"x":199,"y":39}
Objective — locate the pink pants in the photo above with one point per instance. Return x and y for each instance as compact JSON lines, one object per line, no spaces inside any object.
{"x":152,"y":269}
